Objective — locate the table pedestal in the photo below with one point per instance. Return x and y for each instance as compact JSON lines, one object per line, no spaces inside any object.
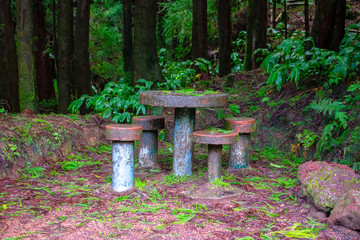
{"x":183,"y":141}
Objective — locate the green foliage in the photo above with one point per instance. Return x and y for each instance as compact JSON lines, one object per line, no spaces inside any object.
{"x":105,"y":45}
{"x":118,"y":101}
{"x":332,"y":108}
{"x":177,"y":25}
{"x":339,"y":134}
{"x":180,"y":74}
{"x":292,"y":61}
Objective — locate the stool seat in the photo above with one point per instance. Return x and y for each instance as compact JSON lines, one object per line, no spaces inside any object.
{"x":149,"y":122}
{"x":123,"y":132}
{"x":240,"y":124}
{"x":215,"y":138}
{"x":148,"y":145}
{"x":239,"y":151}
{"x":123,"y":137}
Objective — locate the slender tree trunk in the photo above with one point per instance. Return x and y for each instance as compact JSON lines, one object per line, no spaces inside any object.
{"x":256,"y":31}
{"x":9,"y":82}
{"x":127,"y":35}
{"x":65,"y":51}
{"x":199,"y":30}
{"x":26,"y":59}
{"x":329,"y":23}
{"x":274,"y":14}
{"x":44,"y":81}
{"x":160,"y":28}
{"x":306,"y":15}
{"x":54,"y":37}
{"x":224,"y":22}
{"x":145,"y":61}
{"x":285,"y":19}
{"x":80,"y":63}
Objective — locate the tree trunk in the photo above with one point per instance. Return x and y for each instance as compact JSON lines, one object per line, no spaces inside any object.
{"x":224,"y":22}
{"x":274,"y":14}
{"x":127,"y":36}
{"x":44,"y":82}
{"x":145,"y":60}
{"x":329,"y":23}
{"x":65,"y":51}
{"x":285,"y":19}
{"x":199,"y":30}
{"x":80,"y":63}
{"x":26,"y":59}
{"x":306,"y":15}
{"x":9,"y":82}
{"x":256,"y":31}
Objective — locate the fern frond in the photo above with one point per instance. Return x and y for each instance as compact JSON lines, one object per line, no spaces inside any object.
{"x":327,"y":106}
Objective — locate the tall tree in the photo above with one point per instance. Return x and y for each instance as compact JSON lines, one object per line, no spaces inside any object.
{"x":274,"y":14}
{"x":9,"y":82}
{"x":80,"y":62}
{"x":199,"y":30}
{"x":224,"y":22}
{"x":306,"y":16}
{"x":127,"y":35}
{"x":26,"y":59}
{"x":44,"y":82}
{"x":65,"y":51}
{"x":329,"y":23}
{"x":145,"y":60}
{"x":256,"y":31}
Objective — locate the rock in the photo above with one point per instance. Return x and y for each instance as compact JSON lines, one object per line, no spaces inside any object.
{"x":347,"y":211}
{"x":324,"y":184}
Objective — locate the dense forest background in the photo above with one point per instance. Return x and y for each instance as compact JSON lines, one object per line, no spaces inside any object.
{"x":96,"y":56}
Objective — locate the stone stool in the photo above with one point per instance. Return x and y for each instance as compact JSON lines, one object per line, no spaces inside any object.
{"x":148,"y":145}
{"x":239,"y":152}
{"x":215,"y":142}
{"x":123,"y":137}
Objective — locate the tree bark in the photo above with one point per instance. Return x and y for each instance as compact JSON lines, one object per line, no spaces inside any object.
{"x":274,"y":14}
{"x":127,"y":36}
{"x":26,"y":59}
{"x":44,"y":83}
{"x":329,"y":23}
{"x":145,"y":60}
{"x":9,"y":82}
{"x":80,"y":63}
{"x":285,"y":19}
{"x":256,"y":31}
{"x":306,"y":15}
{"x":65,"y":51}
{"x":224,"y":26}
{"x":199,"y":30}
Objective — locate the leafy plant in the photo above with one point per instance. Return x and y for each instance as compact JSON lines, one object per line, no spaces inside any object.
{"x":292,"y":61}
{"x":118,"y":101}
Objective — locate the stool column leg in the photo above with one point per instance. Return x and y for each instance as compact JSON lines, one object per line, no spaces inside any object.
{"x":239,"y":152}
{"x":123,"y":165}
{"x":148,"y":151}
{"x":214,"y":161}
{"x":183,"y":141}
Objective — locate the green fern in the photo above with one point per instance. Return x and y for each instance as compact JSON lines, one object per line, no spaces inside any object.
{"x":332,"y":108}
{"x":325,"y":139}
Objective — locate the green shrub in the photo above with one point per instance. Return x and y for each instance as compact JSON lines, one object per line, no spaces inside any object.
{"x":291,"y":61}
{"x":118,"y":101}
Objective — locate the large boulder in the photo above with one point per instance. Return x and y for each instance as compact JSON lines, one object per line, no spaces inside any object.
{"x":325,"y":183}
{"x":347,"y":211}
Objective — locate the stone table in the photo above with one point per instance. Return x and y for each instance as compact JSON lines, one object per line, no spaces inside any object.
{"x":185,"y":103}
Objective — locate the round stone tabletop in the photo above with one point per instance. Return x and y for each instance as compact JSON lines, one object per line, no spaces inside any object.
{"x":180,"y":99}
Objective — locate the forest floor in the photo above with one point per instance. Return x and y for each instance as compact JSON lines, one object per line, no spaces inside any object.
{"x":71,"y":198}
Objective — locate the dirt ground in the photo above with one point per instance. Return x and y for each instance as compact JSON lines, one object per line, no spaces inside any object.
{"x":73,"y":199}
